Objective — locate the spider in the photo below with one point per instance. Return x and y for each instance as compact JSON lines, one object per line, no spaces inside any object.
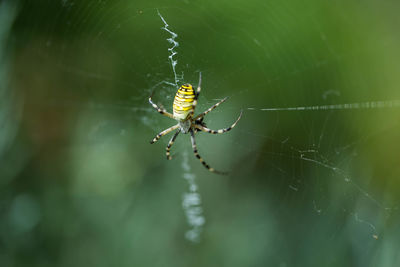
{"x":185,"y":102}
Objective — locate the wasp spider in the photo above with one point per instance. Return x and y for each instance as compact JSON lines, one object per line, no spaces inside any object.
{"x":185,"y":102}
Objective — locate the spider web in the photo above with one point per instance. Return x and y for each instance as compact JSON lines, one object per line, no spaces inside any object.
{"x":313,"y":161}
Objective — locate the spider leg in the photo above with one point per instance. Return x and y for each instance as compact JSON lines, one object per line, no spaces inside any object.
{"x":199,"y":85}
{"x":170,"y":143}
{"x":210,"y":109}
{"x":160,"y":110}
{"x":167,"y":131}
{"x":196,"y":96}
{"x":194,"y":146}
{"x":220,"y":131}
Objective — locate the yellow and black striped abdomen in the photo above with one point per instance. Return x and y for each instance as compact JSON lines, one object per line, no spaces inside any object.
{"x":183,"y":102}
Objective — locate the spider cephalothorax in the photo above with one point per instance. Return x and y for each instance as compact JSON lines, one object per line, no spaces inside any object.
{"x":185,"y":102}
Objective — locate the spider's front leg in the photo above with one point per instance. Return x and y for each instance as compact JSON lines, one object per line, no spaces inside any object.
{"x":170,"y":143}
{"x":196,"y":153}
{"x":167,"y":131}
{"x":220,"y":131}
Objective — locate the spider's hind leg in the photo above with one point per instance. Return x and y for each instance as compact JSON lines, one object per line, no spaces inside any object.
{"x":201,"y":115}
{"x":161,"y":109}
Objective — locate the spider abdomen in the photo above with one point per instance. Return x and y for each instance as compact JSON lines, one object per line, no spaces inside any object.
{"x":183,"y":102}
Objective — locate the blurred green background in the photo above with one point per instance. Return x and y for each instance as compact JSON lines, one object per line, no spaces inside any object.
{"x":81,"y":185}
